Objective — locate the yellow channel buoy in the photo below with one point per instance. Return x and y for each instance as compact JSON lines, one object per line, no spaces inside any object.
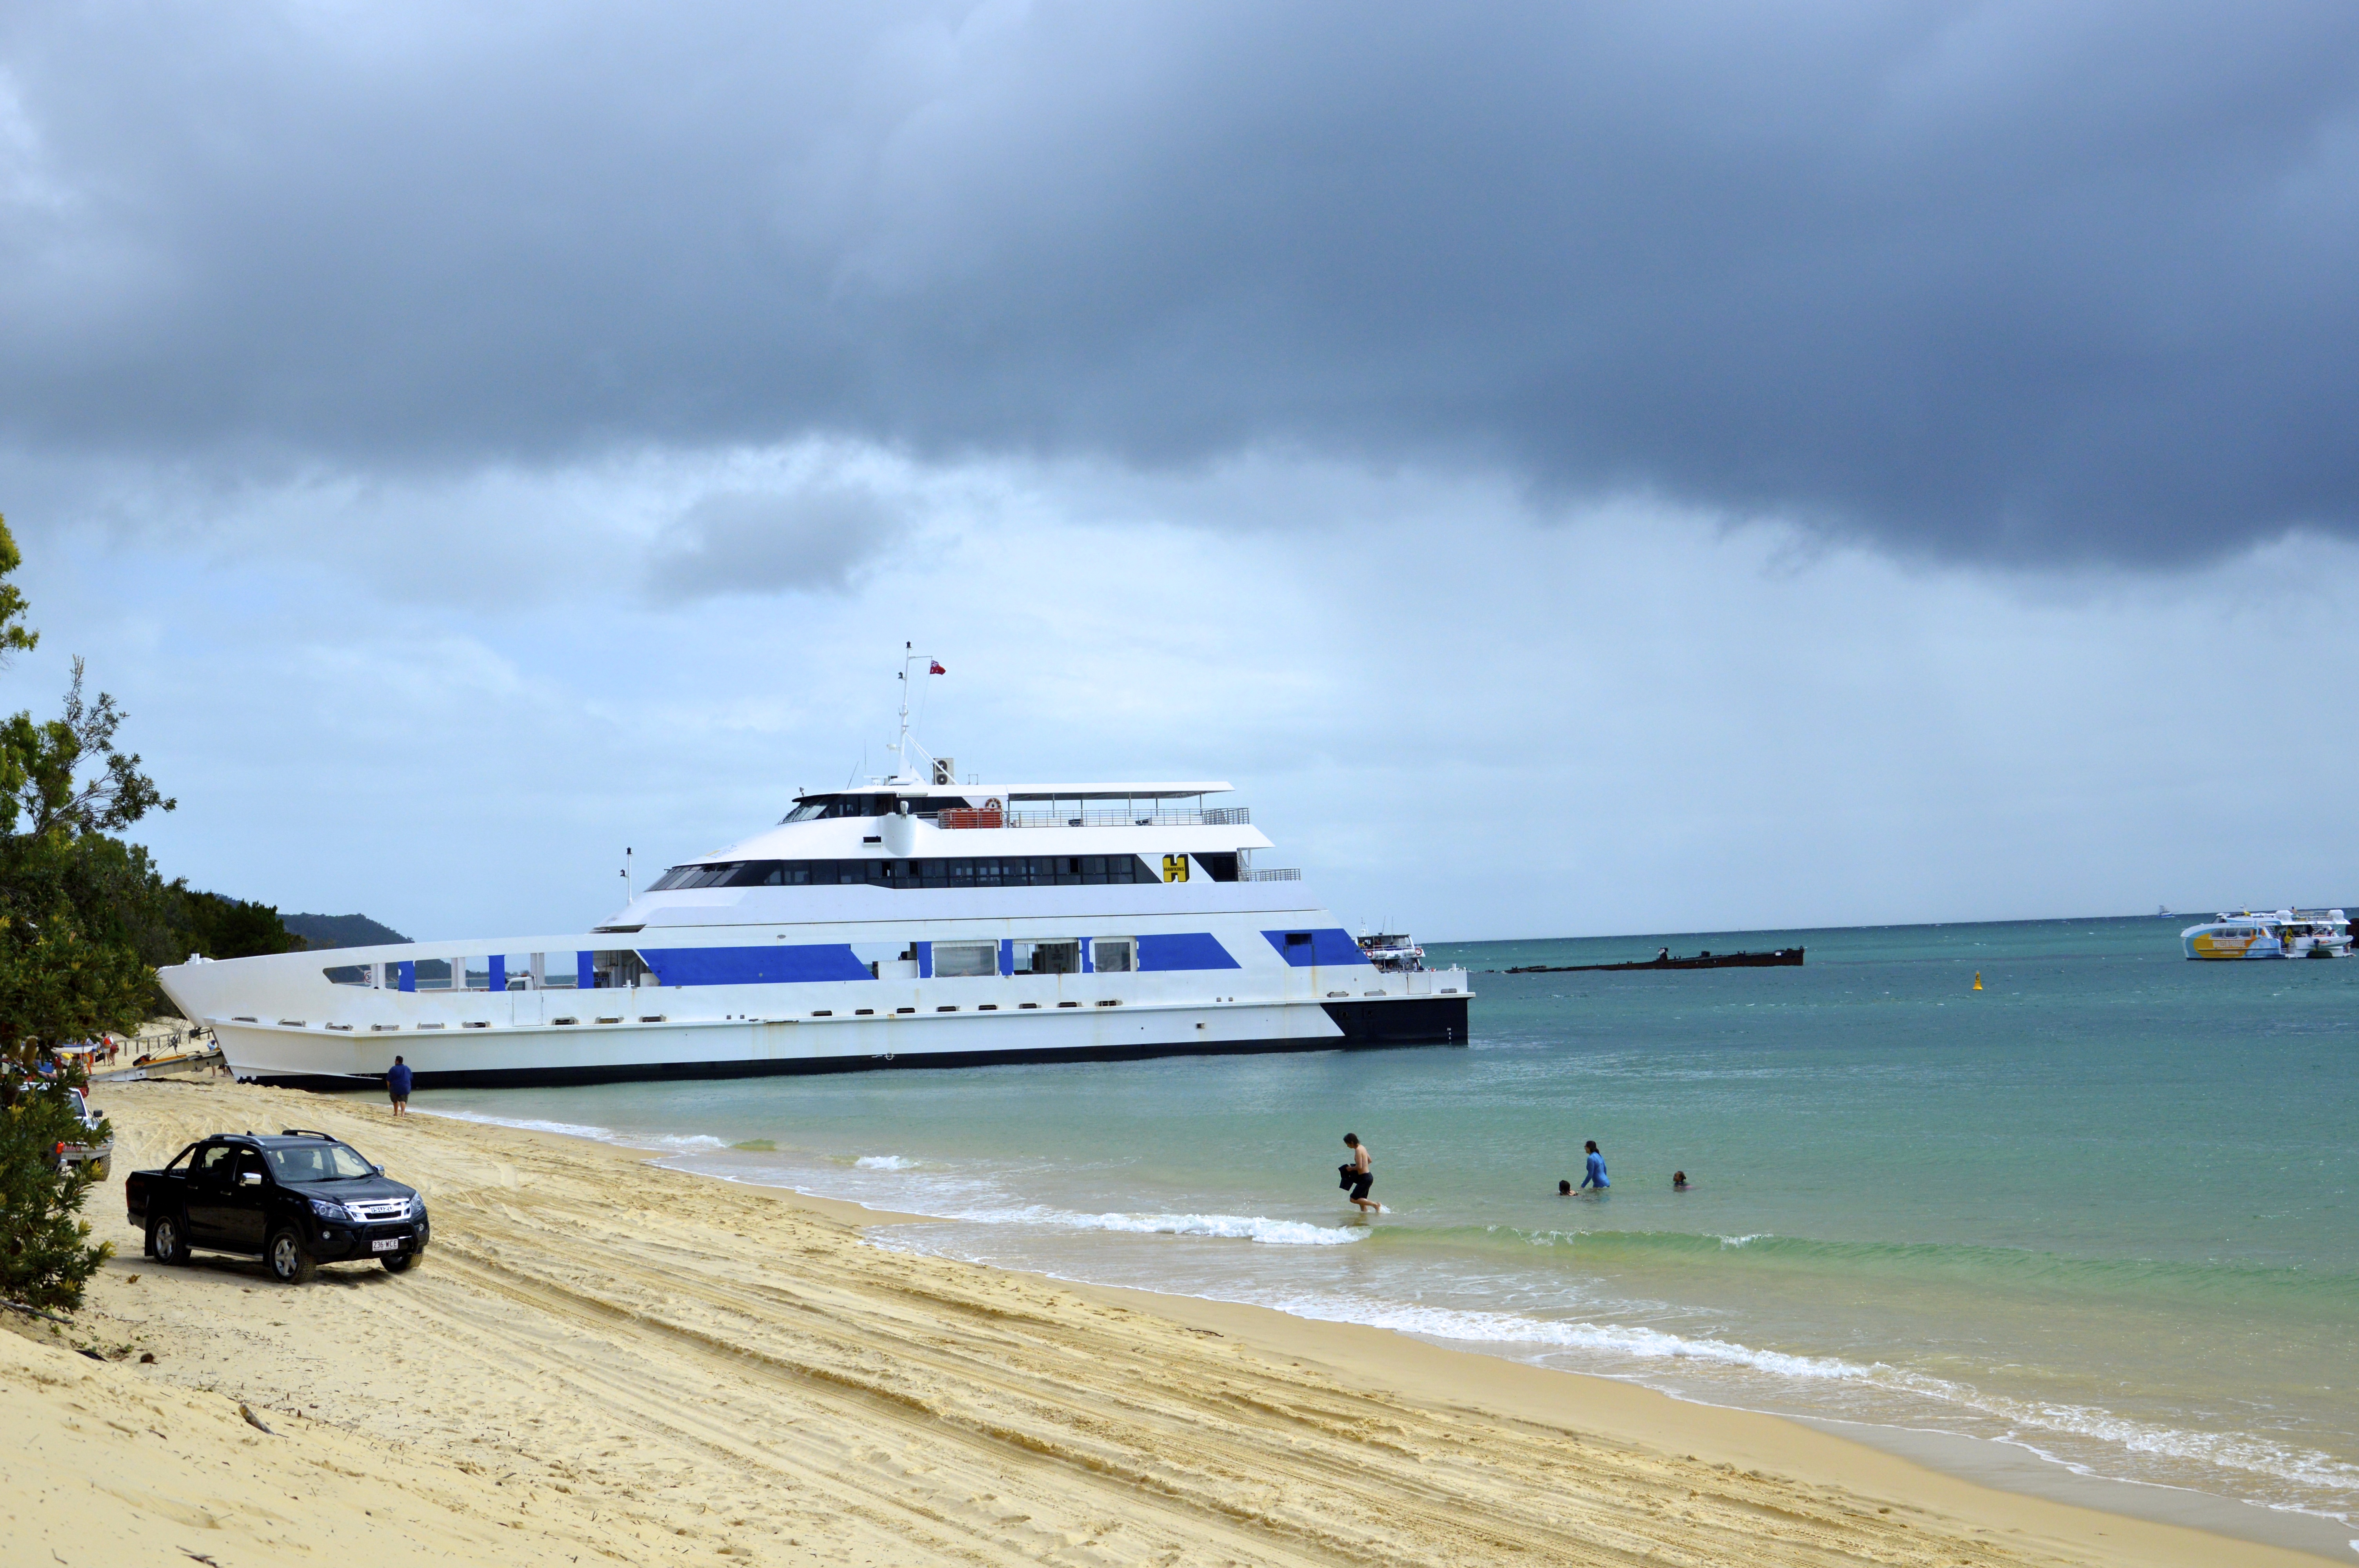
{"x":1978,"y":980}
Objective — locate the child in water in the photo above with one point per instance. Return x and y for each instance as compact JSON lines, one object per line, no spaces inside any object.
{"x":1679,"y":1181}
{"x":1564,"y":1189}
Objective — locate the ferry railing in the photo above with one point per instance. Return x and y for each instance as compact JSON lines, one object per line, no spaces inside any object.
{"x":1287,"y":874}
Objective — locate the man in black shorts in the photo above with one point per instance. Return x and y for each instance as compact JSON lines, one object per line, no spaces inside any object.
{"x":1360,"y":1174}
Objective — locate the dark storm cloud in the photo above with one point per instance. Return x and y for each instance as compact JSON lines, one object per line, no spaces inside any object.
{"x":2010,"y":282}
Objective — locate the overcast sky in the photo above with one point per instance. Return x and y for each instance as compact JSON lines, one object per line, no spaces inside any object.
{"x":1577,"y":469}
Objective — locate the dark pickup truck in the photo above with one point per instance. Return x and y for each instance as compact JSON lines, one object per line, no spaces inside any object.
{"x":296,"y":1200}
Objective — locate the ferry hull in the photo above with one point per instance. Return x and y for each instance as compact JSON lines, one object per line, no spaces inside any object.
{"x":302,"y":1058}
{"x":892,"y":977}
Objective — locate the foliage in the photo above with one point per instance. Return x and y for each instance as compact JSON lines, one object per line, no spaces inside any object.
{"x":46,"y":1255}
{"x":84,"y":918}
{"x":75,"y":903}
{"x":222,"y":927}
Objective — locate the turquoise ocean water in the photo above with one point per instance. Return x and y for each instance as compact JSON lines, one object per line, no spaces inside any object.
{"x":2101,"y":1211}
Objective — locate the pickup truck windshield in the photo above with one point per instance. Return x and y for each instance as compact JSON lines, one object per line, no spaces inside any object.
{"x":319,"y":1163}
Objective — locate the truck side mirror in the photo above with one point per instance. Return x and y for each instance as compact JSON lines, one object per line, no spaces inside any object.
{"x":250,"y":1179}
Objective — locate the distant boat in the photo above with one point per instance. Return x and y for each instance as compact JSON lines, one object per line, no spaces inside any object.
{"x":2284,"y":934}
{"x":1782,"y":957}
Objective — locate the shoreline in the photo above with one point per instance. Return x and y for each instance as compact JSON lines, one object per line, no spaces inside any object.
{"x":619,"y":1323}
{"x":2015,"y":1470}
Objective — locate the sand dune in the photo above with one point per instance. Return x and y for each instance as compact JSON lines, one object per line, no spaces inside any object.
{"x":600,"y":1360}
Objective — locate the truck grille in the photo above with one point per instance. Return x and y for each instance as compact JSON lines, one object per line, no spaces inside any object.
{"x":375,"y":1210}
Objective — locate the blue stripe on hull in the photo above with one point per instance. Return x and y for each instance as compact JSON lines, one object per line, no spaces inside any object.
{"x":1330,"y":945}
{"x":1184,"y":950}
{"x":752,"y":965}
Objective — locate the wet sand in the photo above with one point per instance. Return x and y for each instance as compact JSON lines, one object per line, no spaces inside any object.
{"x":602,"y":1360}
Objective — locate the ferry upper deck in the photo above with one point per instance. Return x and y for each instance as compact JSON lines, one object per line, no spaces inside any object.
{"x":899,"y":836}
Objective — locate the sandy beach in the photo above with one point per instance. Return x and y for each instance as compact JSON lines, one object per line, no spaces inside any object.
{"x":604,"y":1360}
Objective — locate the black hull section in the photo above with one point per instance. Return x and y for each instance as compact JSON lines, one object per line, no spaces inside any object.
{"x":1407,"y":1021}
{"x":1412,"y":1020}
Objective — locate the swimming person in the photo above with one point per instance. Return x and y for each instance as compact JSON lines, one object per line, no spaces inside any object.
{"x":1596,"y":1177}
{"x":1679,"y":1181}
{"x":1361,"y":1172}
{"x":1564,"y":1189}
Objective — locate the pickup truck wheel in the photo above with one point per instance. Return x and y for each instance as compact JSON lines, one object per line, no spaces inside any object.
{"x":166,"y":1241}
{"x":289,"y":1264}
{"x":398,"y":1263}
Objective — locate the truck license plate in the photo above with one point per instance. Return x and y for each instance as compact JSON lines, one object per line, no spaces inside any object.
{"x":390,"y":1244}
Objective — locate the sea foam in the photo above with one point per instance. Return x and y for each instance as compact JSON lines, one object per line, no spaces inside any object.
{"x":668,"y":1142}
{"x":1230,"y":1227}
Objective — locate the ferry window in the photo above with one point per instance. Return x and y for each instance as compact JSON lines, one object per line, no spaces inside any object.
{"x":615,"y":970}
{"x":955,"y":958}
{"x":1047,"y":957}
{"x":1219,"y":868}
{"x":1113,"y":956}
{"x":700,"y":876}
{"x":808,"y":811}
{"x":1298,"y":938}
{"x":757,"y":873}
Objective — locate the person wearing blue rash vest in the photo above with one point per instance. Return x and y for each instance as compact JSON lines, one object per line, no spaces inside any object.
{"x":396,"y":1086}
{"x":1596,"y":1177}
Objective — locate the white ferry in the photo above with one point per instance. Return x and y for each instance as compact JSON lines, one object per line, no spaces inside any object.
{"x":2282,"y":934}
{"x":910,"y":922}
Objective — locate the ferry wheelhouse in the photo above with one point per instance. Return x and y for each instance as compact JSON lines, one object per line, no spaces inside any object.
{"x":2281,"y":933}
{"x":912,"y":921}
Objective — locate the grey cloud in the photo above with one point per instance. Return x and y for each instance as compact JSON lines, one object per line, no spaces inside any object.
{"x":2012,"y":282}
{"x":760,"y":542}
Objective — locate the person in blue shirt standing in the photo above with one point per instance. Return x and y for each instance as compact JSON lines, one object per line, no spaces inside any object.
{"x":1596,"y":1177}
{"x":397,"y":1083}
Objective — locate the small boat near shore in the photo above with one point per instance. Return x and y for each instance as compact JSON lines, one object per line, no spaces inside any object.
{"x":1781,"y":957}
{"x":2280,"y":934}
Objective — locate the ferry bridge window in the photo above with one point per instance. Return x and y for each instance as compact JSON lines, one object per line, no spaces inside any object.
{"x":826,"y":805}
{"x":1112,"y":955}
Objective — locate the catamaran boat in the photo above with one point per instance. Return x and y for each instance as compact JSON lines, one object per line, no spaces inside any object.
{"x":912,"y":921}
{"x":2283,"y":933}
